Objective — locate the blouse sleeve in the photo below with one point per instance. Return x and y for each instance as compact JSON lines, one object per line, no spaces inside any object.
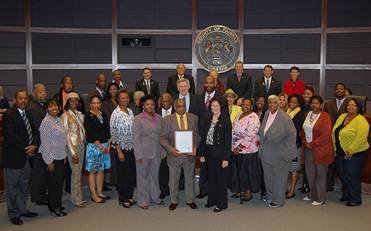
{"x":137,"y":134}
{"x":46,"y":138}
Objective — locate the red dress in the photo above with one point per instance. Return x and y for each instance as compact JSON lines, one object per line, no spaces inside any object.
{"x":290,"y":87}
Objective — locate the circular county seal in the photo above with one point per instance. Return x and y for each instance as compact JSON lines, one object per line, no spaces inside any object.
{"x":217,"y":47}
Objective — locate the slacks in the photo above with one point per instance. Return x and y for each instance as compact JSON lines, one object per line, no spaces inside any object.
{"x":217,"y":183}
{"x":317,"y":177}
{"x":148,"y":189}
{"x":176,"y":164}
{"x":16,"y":186}
{"x":350,"y":173}
{"x":55,"y":184}
{"x":126,"y":176}
{"x":76,"y":192}
{"x":38,"y":179}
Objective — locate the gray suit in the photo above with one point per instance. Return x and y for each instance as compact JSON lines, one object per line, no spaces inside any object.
{"x":277,"y":149}
{"x":169,"y":125}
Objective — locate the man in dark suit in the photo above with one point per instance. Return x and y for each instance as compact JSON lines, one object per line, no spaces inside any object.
{"x":36,"y":106}
{"x":180,"y":73}
{"x":267,"y":85}
{"x":335,"y":107}
{"x":148,"y":85}
{"x":204,"y":112}
{"x":183,"y":87}
{"x":100,"y":86}
{"x":164,"y":110}
{"x":240,"y":83}
{"x":20,"y":143}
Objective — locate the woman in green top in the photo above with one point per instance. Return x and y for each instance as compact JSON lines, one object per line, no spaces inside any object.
{"x":349,"y":135}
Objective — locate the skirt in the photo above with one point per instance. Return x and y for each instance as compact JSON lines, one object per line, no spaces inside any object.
{"x":96,"y":161}
{"x":247,"y":173}
{"x":296,"y":163}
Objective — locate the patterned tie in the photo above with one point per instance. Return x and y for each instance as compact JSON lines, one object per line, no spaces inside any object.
{"x":28,"y":127}
{"x":182,"y":126}
{"x":207,"y":101}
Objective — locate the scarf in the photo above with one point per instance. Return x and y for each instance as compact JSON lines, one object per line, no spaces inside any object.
{"x":292,"y":113}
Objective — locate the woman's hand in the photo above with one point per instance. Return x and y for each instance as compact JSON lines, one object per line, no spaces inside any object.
{"x":224,"y":164}
{"x":51,"y":167}
{"x":121,"y":155}
{"x":236,"y":151}
{"x":347,"y":156}
{"x":202,"y":159}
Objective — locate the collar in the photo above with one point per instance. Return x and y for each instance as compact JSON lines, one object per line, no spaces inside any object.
{"x":170,"y":109}
{"x":211,"y":94}
{"x":21,"y":111}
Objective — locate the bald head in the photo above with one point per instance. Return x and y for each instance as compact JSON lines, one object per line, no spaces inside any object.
{"x":166,"y":101}
{"x":209,"y":84}
{"x":100,"y":81}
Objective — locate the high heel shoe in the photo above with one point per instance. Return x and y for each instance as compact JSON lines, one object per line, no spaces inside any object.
{"x":101,"y":201}
{"x":125,"y":204}
{"x":57,"y":212}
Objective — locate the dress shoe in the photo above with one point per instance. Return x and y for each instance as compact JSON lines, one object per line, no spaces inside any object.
{"x":16,"y":221}
{"x":343,"y":199}
{"x":201,"y":195}
{"x":209,"y":205}
{"x":217,"y":210}
{"x":192,"y":205}
{"x":273,"y":205}
{"x":125,"y":204}
{"x":57,"y":212}
{"x":306,"y":199}
{"x":172,"y":206}
{"x":352,"y":204}
{"x":29,"y":214}
{"x":315,"y":203}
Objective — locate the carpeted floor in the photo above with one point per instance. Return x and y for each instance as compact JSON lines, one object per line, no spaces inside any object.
{"x":296,"y":215}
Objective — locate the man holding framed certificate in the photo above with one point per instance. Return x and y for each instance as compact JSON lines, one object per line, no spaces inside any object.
{"x":179,"y":136}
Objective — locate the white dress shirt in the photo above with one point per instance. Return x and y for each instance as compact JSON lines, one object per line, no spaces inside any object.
{"x":271,"y":117}
{"x":165,"y":112}
{"x":187,"y":100}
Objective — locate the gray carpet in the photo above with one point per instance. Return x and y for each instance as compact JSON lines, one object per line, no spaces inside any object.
{"x":296,"y":215}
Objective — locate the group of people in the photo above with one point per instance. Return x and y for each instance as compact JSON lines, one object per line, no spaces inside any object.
{"x":247,"y":137}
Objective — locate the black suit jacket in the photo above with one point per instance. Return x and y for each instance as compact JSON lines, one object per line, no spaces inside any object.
{"x":243,"y":88}
{"x":221,"y":149}
{"x":193,"y":108}
{"x":203,"y":113}
{"x":16,"y":138}
{"x":171,"y":84}
{"x":275,"y":88}
{"x":154,"y":88}
{"x":37,"y":111}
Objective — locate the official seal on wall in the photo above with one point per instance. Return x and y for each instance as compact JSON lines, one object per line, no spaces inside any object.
{"x":217,"y":47}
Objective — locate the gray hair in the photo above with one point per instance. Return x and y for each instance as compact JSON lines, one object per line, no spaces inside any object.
{"x":177,"y":100}
{"x":183,"y":80}
{"x":273,"y":97}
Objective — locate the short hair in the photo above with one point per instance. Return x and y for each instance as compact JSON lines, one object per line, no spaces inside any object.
{"x":147,"y":68}
{"x":115,"y":72}
{"x":65,"y":77}
{"x":107,"y":95}
{"x":94,"y":96}
{"x":295,"y":68}
{"x":181,"y":80}
{"x":268,"y":66}
{"x":122,"y":91}
{"x":216,"y":99}
{"x":51,"y":101}
{"x":138,"y":95}
{"x":238,"y":62}
{"x":248,"y":99}
{"x":317,"y":97}
{"x":20,"y":91}
{"x":341,"y":84}
{"x":145,"y":98}
{"x":298,"y":97}
{"x":310,"y":88}
{"x":179,"y":99}
{"x":273,"y":97}
{"x":38,"y":85}
{"x":358,"y":104}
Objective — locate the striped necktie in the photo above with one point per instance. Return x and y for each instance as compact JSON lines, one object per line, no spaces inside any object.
{"x":28,"y":127}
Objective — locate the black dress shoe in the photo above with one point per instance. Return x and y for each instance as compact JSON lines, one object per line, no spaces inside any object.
{"x":352,"y":204}
{"x":192,"y":205}
{"x":29,"y":214}
{"x":217,"y":210}
{"x":201,"y":195}
{"x":172,"y":206}
{"x":209,"y":205}
{"x":342,"y":199}
{"x":161,"y":203}
{"x":273,"y":205}
{"x":16,"y":221}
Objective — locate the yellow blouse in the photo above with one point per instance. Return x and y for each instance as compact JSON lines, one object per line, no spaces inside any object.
{"x":233,"y":112}
{"x":353,"y":137}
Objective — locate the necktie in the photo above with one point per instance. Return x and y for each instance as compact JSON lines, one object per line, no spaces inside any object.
{"x":185,"y":102}
{"x":182,"y":126}
{"x":267,"y":85}
{"x":239,"y":78}
{"x":28,"y":127}
{"x":207,"y":101}
{"x":148,"y":87}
